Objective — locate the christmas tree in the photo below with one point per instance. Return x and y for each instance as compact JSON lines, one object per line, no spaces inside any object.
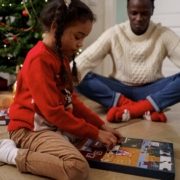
{"x":19,"y":31}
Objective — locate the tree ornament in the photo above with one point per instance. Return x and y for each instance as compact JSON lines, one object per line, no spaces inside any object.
{"x":25,"y":13}
{"x":15,"y":39}
{"x":6,"y":41}
{"x":19,"y":30}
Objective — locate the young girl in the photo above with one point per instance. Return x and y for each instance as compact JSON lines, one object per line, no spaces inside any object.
{"x":45,"y":110}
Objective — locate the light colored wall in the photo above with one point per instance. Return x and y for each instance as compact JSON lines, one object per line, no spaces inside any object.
{"x":168,"y":13}
{"x":97,"y":6}
{"x":121,"y":11}
{"x":105,"y":11}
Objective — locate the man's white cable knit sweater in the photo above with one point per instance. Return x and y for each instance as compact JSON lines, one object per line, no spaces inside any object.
{"x":137,"y":60}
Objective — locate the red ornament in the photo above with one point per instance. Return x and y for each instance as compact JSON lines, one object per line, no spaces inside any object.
{"x":15,"y":38}
{"x":25,"y":13}
{"x":6,"y":41}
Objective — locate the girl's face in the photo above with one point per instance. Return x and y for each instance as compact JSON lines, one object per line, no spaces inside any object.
{"x":73,"y":37}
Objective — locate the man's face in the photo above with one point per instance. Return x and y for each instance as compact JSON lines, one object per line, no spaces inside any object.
{"x":139,"y":13}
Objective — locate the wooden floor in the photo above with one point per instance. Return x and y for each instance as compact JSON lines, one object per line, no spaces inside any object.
{"x":137,"y":128}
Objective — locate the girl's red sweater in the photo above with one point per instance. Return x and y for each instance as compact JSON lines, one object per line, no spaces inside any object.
{"x":39,"y":94}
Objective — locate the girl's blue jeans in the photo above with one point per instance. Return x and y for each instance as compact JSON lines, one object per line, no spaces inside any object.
{"x":106,"y":91}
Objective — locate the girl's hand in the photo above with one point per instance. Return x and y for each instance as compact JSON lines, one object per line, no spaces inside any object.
{"x":115,"y":132}
{"x":109,"y":136}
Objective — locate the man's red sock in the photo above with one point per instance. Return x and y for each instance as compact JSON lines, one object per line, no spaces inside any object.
{"x":112,"y":115}
{"x":124,"y":100}
{"x":137,"y":109}
{"x":158,"y":117}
